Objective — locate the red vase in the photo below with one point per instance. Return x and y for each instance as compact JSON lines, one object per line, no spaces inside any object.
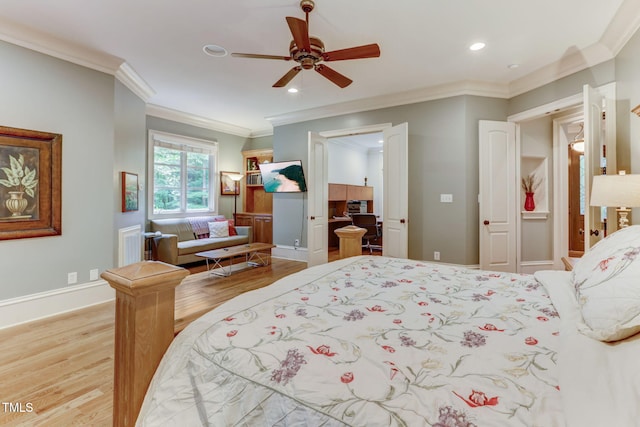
{"x":529,"y":204}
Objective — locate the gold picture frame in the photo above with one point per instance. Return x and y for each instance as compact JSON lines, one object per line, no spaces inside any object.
{"x":30,"y":183}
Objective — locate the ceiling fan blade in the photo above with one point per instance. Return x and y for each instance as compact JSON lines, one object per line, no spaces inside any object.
{"x":359,"y":52}
{"x":334,"y":76}
{"x":300,"y":33}
{"x":287,"y":77}
{"x":258,"y":56}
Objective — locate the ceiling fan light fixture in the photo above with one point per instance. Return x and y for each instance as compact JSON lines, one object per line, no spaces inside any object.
{"x":309,"y":52}
{"x":292,"y":90}
{"x":477,"y":46}
{"x":215,"y":50}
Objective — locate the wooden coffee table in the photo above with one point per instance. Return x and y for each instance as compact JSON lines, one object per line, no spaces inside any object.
{"x":255,"y":254}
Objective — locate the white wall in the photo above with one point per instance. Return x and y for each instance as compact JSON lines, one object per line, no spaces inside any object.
{"x":347,"y":164}
{"x":51,"y":95}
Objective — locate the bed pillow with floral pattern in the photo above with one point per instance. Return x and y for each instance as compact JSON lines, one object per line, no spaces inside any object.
{"x":607,"y":284}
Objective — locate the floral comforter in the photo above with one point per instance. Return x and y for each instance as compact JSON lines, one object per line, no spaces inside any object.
{"x":378,"y":342}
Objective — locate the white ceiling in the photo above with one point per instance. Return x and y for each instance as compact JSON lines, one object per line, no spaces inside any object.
{"x":155,"y":47}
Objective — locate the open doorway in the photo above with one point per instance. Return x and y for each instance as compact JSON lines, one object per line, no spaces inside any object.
{"x":576,"y":189}
{"x":395,"y":204}
{"x":355,"y":162}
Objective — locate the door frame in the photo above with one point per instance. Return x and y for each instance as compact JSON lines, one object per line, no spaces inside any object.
{"x":347,"y":132}
{"x":560,"y":162}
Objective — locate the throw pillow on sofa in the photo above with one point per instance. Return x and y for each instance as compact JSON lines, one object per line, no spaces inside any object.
{"x":232,"y":228}
{"x":219,"y":229}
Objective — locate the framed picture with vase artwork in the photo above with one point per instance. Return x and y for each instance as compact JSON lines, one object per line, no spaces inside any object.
{"x":30,"y":183}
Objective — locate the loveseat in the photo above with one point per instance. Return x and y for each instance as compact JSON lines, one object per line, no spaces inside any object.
{"x":183,"y":237}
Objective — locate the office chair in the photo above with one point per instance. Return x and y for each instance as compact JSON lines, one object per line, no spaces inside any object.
{"x":369,"y":222}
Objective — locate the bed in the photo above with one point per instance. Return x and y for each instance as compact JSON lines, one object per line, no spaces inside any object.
{"x":376,"y":341}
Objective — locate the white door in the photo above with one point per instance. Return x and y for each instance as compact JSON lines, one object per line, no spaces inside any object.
{"x":592,"y":158}
{"x":498,"y":196}
{"x":395,"y":159}
{"x":317,"y":221}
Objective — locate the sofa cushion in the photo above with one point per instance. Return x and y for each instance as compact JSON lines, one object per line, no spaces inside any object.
{"x":178,"y":226}
{"x":232,"y":228}
{"x":192,"y":246}
{"x":181,"y":227}
{"x":218,"y":229}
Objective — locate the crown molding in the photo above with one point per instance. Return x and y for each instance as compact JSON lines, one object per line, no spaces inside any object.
{"x":569,"y":64}
{"x":132,"y":80}
{"x":45,"y":43}
{"x":261,"y":133}
{"x":622,"y":27}
{"x":199,"y":121}
{"x":392,"y":100}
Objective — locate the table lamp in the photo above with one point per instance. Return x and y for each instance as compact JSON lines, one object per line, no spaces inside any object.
{"x":621,"y":191}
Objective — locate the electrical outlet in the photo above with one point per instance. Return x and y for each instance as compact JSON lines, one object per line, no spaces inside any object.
{"x":93,"y":274}
{"x":72,"y":278}
{"x":296,"y":243}
{"x":436,"y":256}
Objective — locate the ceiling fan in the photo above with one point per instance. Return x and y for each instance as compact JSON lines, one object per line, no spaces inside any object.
{"x":309,"y":52}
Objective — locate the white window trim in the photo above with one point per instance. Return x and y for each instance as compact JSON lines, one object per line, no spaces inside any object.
{"x":211,"y":145}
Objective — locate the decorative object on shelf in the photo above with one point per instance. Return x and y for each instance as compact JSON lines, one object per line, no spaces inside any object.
{"x":30,"y":183}
{"x":529,"y":184}
{"x":129,"y":191}
{"x":229,"y":183}
{"x":621,"y":191}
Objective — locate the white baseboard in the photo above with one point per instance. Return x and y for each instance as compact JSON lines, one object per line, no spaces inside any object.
{"x":289,"y":252}
{"x":32,"y":307}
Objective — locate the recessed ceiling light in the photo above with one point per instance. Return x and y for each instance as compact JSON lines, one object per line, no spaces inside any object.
{"x":513,"y":66}
{"x":477,"y":46}
{"x":292,"y":90}
{"x":214,"y":50}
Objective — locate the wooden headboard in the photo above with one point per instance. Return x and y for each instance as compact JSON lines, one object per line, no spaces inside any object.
{"x":144,"y":328}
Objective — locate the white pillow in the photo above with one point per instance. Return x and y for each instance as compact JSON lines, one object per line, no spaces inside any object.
{"x":607,"y":284}
{"x":219,"y":229}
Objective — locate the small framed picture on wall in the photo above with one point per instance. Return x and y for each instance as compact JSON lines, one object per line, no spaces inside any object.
{"x":129,"y":191}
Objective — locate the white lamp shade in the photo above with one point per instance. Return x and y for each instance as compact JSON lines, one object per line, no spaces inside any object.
{"x":615,"y":191}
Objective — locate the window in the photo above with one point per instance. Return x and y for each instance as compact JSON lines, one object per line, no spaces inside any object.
{"x":182,"y":174}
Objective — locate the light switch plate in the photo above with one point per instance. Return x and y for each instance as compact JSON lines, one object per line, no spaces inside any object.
{"x":446,"y":198}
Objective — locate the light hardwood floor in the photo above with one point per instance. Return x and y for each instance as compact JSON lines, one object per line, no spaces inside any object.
{"x":62,"y":366}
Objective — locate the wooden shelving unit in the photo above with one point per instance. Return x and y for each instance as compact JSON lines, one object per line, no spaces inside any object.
{"x":257,"y":205}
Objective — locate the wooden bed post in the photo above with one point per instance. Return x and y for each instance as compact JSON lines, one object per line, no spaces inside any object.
{"x":145,"y":300}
